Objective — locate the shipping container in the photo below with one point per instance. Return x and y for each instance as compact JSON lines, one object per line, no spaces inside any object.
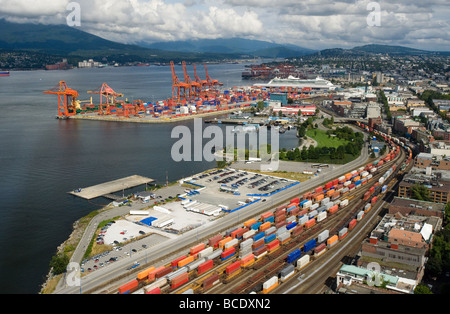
{"x":332,"y":241}
{"x":352,"y":224}
{"x":230,"y":269}
{"x":343,"y":232}
{"x":265,"y":215}
{"x":323,"y":236}
{"x":310,"y":223}
{"x":287,"y":272}
{"x":318,"y":250}
{"x":249,"y":234}
{"x":205,"y":252}
{"x":163,"y":272}
{"x":273,"y":245}
{"x":202,"y":268}
{"x":249,"y":222}
{"x":309,"y":245}
{"x":215,"y":240}
{"x":223,"y":241}
{"x":174,"y":263}
{"x":144,"y":274}
{"x":303,"y":261}
{"x":321,"y":216}
{"x":197,"y":248}
{"x":179,"y":280}
{"x":186,"y":261}
{"x":129,"y":287}
{"x":247,"y":260}
{"x":293,"y":256}
{"x":265,"y":226}
{"x":210,"y":281}
{"x":270,"y":284}
{"x":333,"y":209}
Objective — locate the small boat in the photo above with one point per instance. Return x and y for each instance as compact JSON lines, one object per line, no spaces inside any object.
{"x":4,"y":73}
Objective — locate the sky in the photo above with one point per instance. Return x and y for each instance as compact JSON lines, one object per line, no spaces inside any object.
{"x":315,"y":24}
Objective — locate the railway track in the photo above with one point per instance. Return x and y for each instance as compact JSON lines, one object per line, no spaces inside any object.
{"x":251,"y":278}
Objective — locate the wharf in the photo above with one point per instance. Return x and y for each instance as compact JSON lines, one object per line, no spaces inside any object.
{"x":110,"y":187}
{"x":259,"y":121}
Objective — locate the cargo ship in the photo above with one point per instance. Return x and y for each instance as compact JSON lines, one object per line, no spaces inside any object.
{"x":4,"y":73}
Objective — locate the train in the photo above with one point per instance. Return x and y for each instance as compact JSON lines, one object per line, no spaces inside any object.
{"x":224,"y":256}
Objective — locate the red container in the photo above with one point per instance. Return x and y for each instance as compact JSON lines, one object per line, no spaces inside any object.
{"x":128,"y":287}
{"x":352,"y":224}
{"x":235,"y":232}
{"x":273,"y":245}
{"x":335,"y":182}
{"x":266,"y":215}
{"x":281,"y":207}
{"x":163,"y":272}
{"x":372,"y":189}
{"x":155,"y":291}
{"x":295,"y":200}
{"x":366,"y":195}
{"x":279,"y":218}
{"x":319,"y":189}
{"x":260,"y":251}
{"x":319,"y":248}
{"x":228,"y":252}
{"x":280,"y":213}
{"x":179,"y":280}
{"x":333,"y":209}
{"x":294,"y":211}
{"x":280,"y":224}
{"x":297,"y":230}
{"x":205,"y":266}
{"x":209,"y":282}
{"x":174,"y":263}
{"x":215,"y":240}
{"x":257,"y":244}
{"x":302,"y":213}
{"x":374,"y":200}
{"x":233,"y":267}
{"x":329,"y":185}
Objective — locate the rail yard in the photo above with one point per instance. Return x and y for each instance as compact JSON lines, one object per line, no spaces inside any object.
{"x":293,"y":240}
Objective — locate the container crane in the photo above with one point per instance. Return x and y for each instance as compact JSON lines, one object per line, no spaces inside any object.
{"x":212,"y":83}
{"x":178,"y":88}
{"x":195,"y":87}
{"x":109,"y":94}
{"x":203,"y":83}
{"x":67,"y":99}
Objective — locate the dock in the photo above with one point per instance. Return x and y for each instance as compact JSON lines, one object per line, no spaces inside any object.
{"x":107,"y":188}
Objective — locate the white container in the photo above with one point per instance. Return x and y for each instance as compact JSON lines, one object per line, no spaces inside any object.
{"x":323,"y":236}
{"x":231,"y":243}
{"x":344,"y":203}
{"x":205,"y":252}
{"x":270,"y":283}
{"x":321,"y":216}
{"x":303,"y":261}
{"x":249,"y":234}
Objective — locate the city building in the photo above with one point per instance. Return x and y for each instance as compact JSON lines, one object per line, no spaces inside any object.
{"x":408,"y":206}
{"x":438,"y":188}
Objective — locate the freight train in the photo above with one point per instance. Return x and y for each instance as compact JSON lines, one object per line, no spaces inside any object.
{"x":226,"y":255}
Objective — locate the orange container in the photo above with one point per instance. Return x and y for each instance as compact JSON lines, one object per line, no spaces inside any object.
{"x":319,"y":197}
{"x":266,"y":215}
{"x":332,"y":240}
{"x":265,"y":226}
{"x":222,"y":242}
{"x":186,"y":261}
{"x":310,"y":223}
{"x":247,"y":260}
{"x":144,"y":274}
{"x":249,"y":222}
{"x":197,"y":248}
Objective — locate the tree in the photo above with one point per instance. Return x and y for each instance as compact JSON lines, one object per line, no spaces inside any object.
{"x":422,"y":289}
{"x":59,"y":263}
{"x":420,"y":192}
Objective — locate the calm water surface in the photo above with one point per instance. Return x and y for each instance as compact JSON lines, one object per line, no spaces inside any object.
{"x":42,"y":158}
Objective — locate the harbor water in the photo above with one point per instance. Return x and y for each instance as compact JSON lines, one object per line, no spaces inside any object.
{"x":43,"y":158}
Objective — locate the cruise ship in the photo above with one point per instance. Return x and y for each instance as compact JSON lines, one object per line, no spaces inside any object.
{"x":315,"y":84}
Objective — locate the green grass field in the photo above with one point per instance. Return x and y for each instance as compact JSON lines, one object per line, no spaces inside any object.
{"x":322,"y":138}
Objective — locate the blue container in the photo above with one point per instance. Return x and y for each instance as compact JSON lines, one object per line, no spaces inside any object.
{"x":309,"y":245}
{"x":271,"y":219}
{"x":270,"y":238}
{"x":256,"y":225}
{"x":290,"y":208}
{"x":358,"y":183}
{"x":291,"y":225}
{"x":225,"y":258}
{"x":259,"y":236}
{"x":295,"y":255}
{"x":302,"y":203}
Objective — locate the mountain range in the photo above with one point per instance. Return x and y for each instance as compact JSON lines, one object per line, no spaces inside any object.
{"x":65,"y":41}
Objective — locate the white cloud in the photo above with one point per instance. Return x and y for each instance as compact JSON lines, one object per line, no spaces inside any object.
{"x":310,"y":23}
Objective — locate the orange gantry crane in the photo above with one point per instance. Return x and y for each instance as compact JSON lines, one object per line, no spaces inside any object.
{"x":195,"y":87}
{"x":210,"y":82}
{"x":203,"y":83}
{"x":109,"y":94}
{"x":67,"y":99}
{"x":180,"y":90}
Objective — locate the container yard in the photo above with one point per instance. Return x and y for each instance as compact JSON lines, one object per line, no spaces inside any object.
{"x":190,"y":98}
{"x":266,"y":252}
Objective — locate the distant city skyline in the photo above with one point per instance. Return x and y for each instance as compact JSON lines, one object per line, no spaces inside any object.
{"x":314,"y":24}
